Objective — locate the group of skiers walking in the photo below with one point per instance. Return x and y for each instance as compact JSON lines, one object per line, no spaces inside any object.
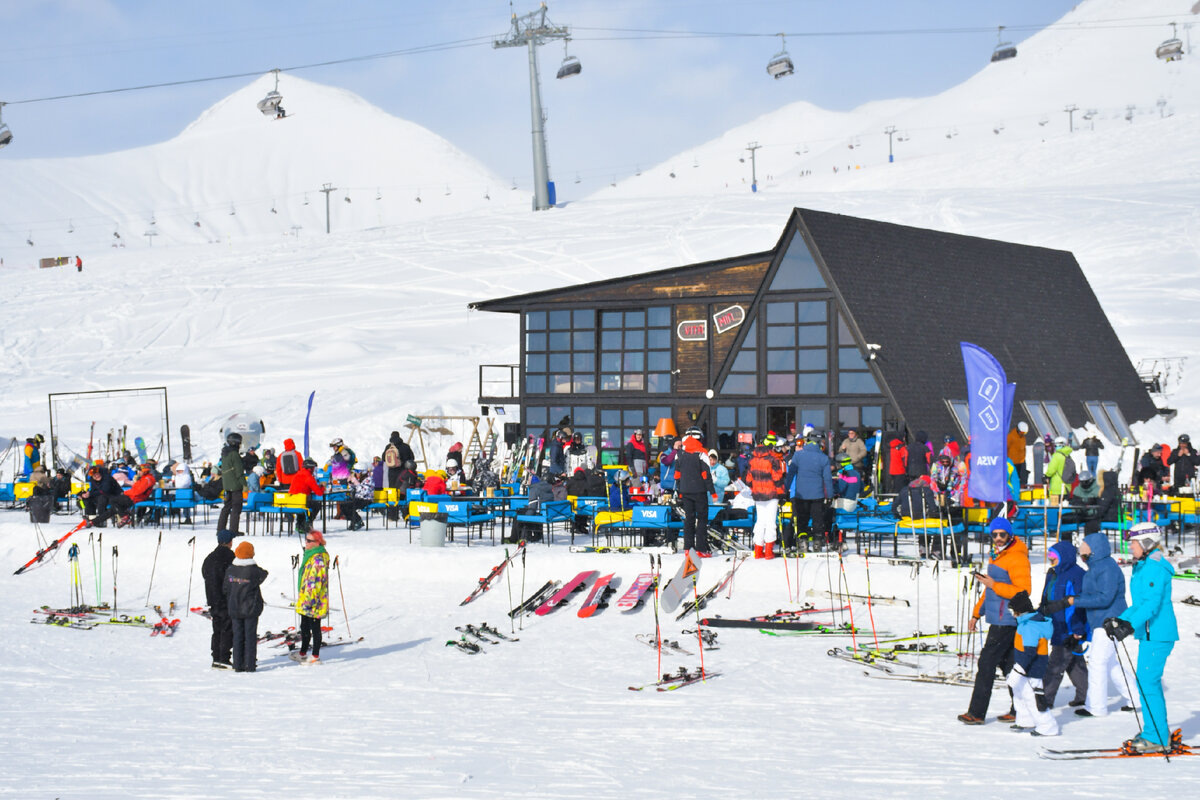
{"x":1076,"y":629}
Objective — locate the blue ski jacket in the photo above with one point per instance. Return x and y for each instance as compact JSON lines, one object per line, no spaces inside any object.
{"x":1031,"y":647}
{"x":809,"y":476}
{"x":1103,"y":592}
{"x":1151,"y":615}
{"x":1065,"y":580}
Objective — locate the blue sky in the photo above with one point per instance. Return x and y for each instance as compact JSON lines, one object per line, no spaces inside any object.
{"x":640,"y":98}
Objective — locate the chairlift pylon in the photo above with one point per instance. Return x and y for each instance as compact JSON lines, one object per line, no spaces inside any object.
{"x":1170,"y":50}
{"x":270,"y":105}
{"x":570,"y":65}
{"x":1003,"y":50}
{"x":5,"y":134}
{"x":781,"y":64}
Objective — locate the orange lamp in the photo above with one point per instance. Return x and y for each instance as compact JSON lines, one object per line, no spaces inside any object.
{"x":665,"y":427}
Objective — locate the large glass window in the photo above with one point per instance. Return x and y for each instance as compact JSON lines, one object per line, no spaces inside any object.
{"x":854,"y":374}
{"x":732,"y":421}
{"x":797,"y":270}
{"x":797,"y":356}
{"x":743,"y":374}
{"x":635,"y":350}
{"x":560,"y":351}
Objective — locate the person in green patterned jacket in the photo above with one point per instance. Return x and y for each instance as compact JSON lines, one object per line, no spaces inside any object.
{"x":312,"y":595}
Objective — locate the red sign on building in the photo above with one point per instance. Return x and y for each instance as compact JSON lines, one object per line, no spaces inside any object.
{"x":692,"y":330}
{"x":729,"y":318}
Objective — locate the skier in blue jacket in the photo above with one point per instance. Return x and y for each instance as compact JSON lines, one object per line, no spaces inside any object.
{"x":1152,"y":622}
{"x":1065,"y":578}
{"x":1031,"y":656}
{"x":1102,"y":596}
{"x":810,"y":481}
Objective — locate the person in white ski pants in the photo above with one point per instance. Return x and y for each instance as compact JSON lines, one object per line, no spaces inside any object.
{"x":1031,"y":656}
{"x":1103,"y":667}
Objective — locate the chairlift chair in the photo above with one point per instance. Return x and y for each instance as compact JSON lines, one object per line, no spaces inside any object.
{"x":5,"y":134}
{"x":269,"y":105}
{"x":1003,"y":50}
{"x":781,"y":64}
{"x":1170,"y":50}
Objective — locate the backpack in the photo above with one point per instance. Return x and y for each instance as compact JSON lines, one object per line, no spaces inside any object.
{"x":289,"y":462}
{"x":1068,"y":470}
{"x":391,"y":456}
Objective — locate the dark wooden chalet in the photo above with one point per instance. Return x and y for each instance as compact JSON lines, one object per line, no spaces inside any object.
{"x":847,"y":322}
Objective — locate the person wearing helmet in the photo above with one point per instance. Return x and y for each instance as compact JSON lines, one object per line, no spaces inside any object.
{"x":635,"y":454}
{"x":810,"y":481}
{"x":233,"y":483}
{"x":693,"y":487}
{"x":1060,"y":472}
{"x":765,"y":473}
{"x":1184,"y":459}
{"x":305,"y":483}
{"x":1091,"y":447}
{"x":1017,"y":448}
{"x":847,"y":482}
{"x":1151,"y":620}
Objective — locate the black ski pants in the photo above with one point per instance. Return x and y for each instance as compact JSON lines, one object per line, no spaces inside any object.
{"x":222,"y":638}
{"x":231,"y":512}
{"x":808,"y":516}
{"x":997,"y":652}
{"x":245,"y":643}
{"x":1065,"y":662}
{"x":695,"y":521}
{"x":310,"y":628}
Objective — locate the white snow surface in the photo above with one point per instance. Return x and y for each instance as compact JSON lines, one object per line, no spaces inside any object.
{"x":247,"y":313}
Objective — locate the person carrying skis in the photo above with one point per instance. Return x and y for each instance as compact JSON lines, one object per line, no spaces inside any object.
{"x":1031,"y":646}
{"x":1101,"y":596}
{"x":304,"y":483}
{"x":244,"y":601}
{"x":213,"y":570}
{"x":1063,"y":579}
{"x":312,"y":595}
{"x":1151,"y":620}
{"x":233,"y":483}
{"x":1008,"y":573}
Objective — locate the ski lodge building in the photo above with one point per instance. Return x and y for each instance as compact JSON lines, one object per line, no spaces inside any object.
{"x":845,"y":323}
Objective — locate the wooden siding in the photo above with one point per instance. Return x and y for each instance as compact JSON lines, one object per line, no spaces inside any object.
{"x":691,"y":358}
{"x":740,"y":279}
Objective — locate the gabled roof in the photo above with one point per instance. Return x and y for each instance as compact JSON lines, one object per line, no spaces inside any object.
{"x":918,"y":293}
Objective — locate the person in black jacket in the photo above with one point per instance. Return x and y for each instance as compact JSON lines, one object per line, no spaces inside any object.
{"x":694,"y":486}
{"x":1185,"y":461}
{"x":233,"y":483}
{"x":216,"y":564}
{"x":1106,"y":506}
{"x":1151,"y":468}
{"x":245,"y":603}
{"x":102,"y":490}
{"x":919,"y":454}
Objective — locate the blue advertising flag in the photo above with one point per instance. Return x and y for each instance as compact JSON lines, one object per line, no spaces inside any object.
{"x":989,"y":409}
{"x":308,"y":414}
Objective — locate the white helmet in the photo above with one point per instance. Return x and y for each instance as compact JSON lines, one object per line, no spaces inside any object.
{"x":1147,"y":534}
{"x":1060,"y":441}
{"x":1023,"y":427}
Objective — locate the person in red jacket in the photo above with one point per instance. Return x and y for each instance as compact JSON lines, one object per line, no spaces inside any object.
{"x":288,"y":463}
{"x":765,"y":472}
{"x":304,"y":483}
{"x":434,"y":484}
{"x":897,"y":465}
{"x":139,"y":491}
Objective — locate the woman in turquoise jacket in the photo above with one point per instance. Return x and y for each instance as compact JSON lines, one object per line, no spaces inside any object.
{"x":1151,"y":620}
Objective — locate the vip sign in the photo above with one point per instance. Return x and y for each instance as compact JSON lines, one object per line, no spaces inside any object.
{"x":692,"y":330}
{"x":729,"y":318}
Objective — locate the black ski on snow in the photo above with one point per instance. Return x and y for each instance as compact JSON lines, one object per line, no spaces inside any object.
{"x":65,"y":622}
{"x":462,"y":643}
{"x":185,"y":434}
{"x":535,"y":599}
{"x":476,"y":634}
{"x":675,"y":680}
{"x":779,"y":625}
{"x":490,"y":631}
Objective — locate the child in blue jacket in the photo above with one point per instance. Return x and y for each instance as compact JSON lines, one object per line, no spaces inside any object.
{"x":1031,"y":651}
{"x":1064,"y":579}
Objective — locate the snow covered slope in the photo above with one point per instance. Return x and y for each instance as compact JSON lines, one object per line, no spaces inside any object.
{"x":242,"y":175}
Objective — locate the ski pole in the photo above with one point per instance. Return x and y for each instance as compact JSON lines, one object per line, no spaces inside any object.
{"x":522,"y":621}
{"x":783,"y":550}
{"x":191,"y":575}
{"x":657,"y":630}
{"x":699,"y":635}
{"x":1125,"y":676}
{"x":508,"y":579}
{"x":76,"y":587}
{"x":152,"y":568}
{"x":338,"y":567}
{"x":853,"y":633}
{"x":870,"y":611}
{"x":114,"y":572}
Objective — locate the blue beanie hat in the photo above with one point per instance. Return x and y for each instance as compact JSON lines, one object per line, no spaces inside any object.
{"x":224,"y":537}
{"x":1001,"y":524}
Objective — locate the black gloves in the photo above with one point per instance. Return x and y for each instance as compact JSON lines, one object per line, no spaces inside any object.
{"x":1117,"y":628}
{"x":1075,"y":644}
{"x":1054,"y":606}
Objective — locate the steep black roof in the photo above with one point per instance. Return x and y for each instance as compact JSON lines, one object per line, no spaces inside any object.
{"x":918,"y":293}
